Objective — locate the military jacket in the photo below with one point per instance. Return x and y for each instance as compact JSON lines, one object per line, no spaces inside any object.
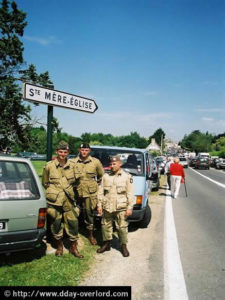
{"x":116,"y":191}
{"x":87,"y":173}
{"x":58,"y":182}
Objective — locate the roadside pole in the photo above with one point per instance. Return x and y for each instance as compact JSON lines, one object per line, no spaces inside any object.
{"x":49,"y":133}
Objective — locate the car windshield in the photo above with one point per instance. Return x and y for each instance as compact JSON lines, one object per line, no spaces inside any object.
{"x":183,"y":159}
{"x":17,"y":181}
{"x":132,"y":161}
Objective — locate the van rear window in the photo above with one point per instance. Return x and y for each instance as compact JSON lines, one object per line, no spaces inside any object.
{"x":17,"y":181}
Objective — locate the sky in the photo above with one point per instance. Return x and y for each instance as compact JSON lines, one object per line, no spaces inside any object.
{"x":148,"y":64}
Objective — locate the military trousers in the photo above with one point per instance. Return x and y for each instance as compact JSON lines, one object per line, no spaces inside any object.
{"x":61,"y":218}
{"x":88,"y":205}
{"x":121,"y":225}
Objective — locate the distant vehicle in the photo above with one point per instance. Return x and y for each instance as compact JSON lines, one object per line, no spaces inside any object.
{"x":71,"y":156}
{"x":202,"y":162}
{"x":220,"y":164}
{"x":161,"y":164}
{"x":191,"y":155}
{"x":32,"y":155}
{"x":192,"y":162}
{"x":155,"y":176}
{"x":183,"y":162}
{"x":203,"y":154}
{"x":22,"y":205}
{"x":213,"y":161}
{"x":137,"y":162}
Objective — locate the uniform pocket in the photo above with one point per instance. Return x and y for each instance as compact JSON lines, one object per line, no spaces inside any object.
{"x":121,"y":203}
{"x":92,"y":187}
{"x":53,"y":195}
{"x":121,"y":189}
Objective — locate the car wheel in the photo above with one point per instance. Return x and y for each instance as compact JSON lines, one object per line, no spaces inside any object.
{"x":147,"y":217}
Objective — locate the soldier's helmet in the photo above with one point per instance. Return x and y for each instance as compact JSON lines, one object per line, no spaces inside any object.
{"x":63,"y":146}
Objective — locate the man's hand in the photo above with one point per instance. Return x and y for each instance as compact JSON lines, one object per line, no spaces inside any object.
{"x":128,"y":212}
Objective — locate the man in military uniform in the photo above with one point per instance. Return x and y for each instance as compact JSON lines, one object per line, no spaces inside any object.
{"x":115,"y":201}
{"x":88,"y":172}
{"x":58,"y":179}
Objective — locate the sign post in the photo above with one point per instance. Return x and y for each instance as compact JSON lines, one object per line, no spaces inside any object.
{"x":38,"y":94}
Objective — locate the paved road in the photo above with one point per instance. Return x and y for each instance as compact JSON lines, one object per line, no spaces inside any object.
{"x":200,"y":226}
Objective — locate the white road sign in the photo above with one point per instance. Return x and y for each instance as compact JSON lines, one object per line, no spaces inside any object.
{"x":43,"y":95}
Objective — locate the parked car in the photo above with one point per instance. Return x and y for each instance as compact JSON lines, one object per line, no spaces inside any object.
{"x":155,"y":178}
{"x":213,"y":161}
{"x":22,"y":205}
{"x":161,"y":164}
{"x":220,"y":164}
{"x":192,"y":162}
{"x":183,"y":162}
{"x":202,"y":162}
{"x":138,"y":163}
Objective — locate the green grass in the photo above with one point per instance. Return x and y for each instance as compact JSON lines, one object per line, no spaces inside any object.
{"x":30,"y":268}
{"x":39,"y":165}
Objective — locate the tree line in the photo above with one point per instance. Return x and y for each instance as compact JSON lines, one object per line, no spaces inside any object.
{"x":197,"y":141}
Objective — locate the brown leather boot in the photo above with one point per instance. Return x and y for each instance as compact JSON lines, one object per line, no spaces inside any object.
{"x":91,"y":238}
{"x":124,"y":250}
{"x":105,"y":247}
{"x":74,"y":251}
{"x":59,"y":250}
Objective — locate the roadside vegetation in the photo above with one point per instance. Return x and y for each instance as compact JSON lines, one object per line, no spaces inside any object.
{"x":34,"y":268}
{"x":197,"y":141}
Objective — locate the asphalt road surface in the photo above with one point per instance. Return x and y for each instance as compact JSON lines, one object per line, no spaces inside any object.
{"x":200,"y":227}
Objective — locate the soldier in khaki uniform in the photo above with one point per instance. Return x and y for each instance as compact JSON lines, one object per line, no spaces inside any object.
{"x":58,"y":179}
{"x":88,"y":172}
{"x":115,"y":201}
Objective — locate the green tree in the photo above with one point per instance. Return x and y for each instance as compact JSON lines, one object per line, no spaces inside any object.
{"x":14,"y":114}
{"x":159,"y":136}
{"x":197,"y":141}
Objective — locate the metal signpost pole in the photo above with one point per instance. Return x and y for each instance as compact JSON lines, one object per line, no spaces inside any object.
{"x":49,"y":133}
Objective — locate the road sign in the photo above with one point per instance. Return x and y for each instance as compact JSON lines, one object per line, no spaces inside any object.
{"x":51,"y":97}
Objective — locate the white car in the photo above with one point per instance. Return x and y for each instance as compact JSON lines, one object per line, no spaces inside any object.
{"x":183,"y":162}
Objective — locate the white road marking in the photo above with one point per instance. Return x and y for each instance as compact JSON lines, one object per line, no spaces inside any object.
{"x":174,"y":283}
{"x":216,"y":182}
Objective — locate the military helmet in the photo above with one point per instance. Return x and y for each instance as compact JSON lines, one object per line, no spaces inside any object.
{"x":63,"y":146}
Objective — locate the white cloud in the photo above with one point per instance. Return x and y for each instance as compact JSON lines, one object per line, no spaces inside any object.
{"x":207,"y":119}
{"x":212,"y":110}
{"x":43,"y":41}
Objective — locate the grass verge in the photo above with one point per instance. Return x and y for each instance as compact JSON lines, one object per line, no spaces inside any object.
{"x":34,"y":268}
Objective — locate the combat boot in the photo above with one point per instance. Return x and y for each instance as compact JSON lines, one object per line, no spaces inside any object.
{"x":105,"y":247}
{"x":74,"y":251}
{"x":91,"y":238}
{"x":124,"y":250}
{"x":59,"y":250}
